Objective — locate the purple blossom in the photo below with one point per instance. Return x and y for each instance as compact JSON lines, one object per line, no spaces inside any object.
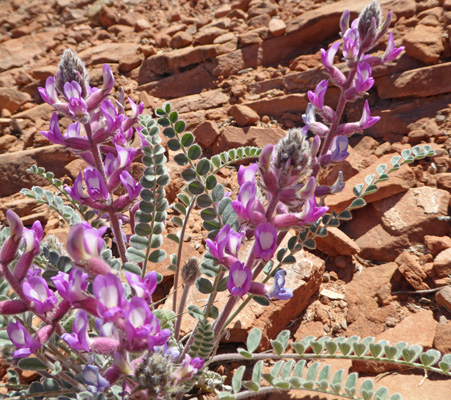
{"x":327,"y":58}
{"x":54,"y":135}
{"x":84,"y":242}
{"x":317,"y":97}
{"x":240,"y":278}
{"x":116,"y":162}
{"x":49,"y":94}
{"x":309,"y":118}
{"x":265,"y":241}
{"x":37,"y":291}
{"x":247,"y":174}
{"x":391,"y":52}
{"x":133,"y":188}
{"x":189,"y":368}
{"x":72,"y":287}
{"x":95,"y":381}
{"x":78,"y":339}
{"x":77,"y":192}
{"x":109,"y":292}
{"x":112,"y":118}
{"x":339,"y":148}
{"x":351,"y":45}
{"x":96,"y":186}
{"x":367,"y":120}
{"x":22,"y":339}
{"x":143,"y":288}
{"x":226,"y":239}
{"x":9,"y":248}
{"x":278,"y":291}
{"x":32,"y":239}
{"x":363,"y":79}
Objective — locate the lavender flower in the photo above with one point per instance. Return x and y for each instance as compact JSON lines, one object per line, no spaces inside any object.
{"x":32,"y":239}
{"x":109,"y":292}
{"x":226,"y":239}
{"x":143,"y":288}
{"x":37,"y":291}
{"x":265,"y":241}
{"x":11,"y":244}
{"x":72,"y":286}
{"x":22,"y":339}
{"x":84,"y":242}
{"x":240,"y":278}
{"x":277,"y":290}
{"x":189,"y":368}
{"x":96,"y":382}
{"x":78,"y":339}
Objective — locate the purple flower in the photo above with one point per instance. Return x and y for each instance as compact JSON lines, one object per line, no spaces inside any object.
{"x":9,"y":249}
{"x":78,"y":339}
{"x":247,"y":174}
{"x":96,"y":186}
{"x":32,"y":239}
{"x":54,"y":135}
{"x":265,"y":241}
{"x":391,"y":52}
{"x":363,"y":79}
{"x":49,"y":94}
{"x":95,"y":381}
{"x":72,"y":287}
{"x":112,"y":118}
{"x":317,"y":97}
{"x":143,"y":288}
{"x":116,"y":162}
{"x":226,"y":239}
{"x":351,"y":42}
{"x":140,"y":321}
{"x":233,"y":242}
{"x":22,"y":339}
{"x":367,"y":120}
{"x":189,"y":368}
{"x":339,"y":148}
{"x":109,"y":292}
{"x":37,"y":291}
{"x":10,"y":307}
{"x":309,"y":118}
{"x":277,"y":290}
{"x":133,"y":188}
{"x":245,"y":205}
{"x":77,"y":192}
{"x":84,"y":242}
{"x":327,"y":58}
{"x":240,"y":278}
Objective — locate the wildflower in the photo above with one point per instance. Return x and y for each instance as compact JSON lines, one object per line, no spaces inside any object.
{"x":96,"y":382}
{"x":84,"y":242}
{"x":317,"y":97}
{"x":109,"y":292}
{"x":72,"y":286}
{"x":11,"y":307}
{"x":32,"y":239}
{"x":265,"y":241}
{"x":274,"y":291}
{"x":37,"y":291}
{"x":189,"y":368}
{"x":78,"y":339}
{"x":226,"y":239}
{"x":22,"y":339}
{"x":240,"y":278}
{"x":11,"y":244}
{"x":143,"y":288}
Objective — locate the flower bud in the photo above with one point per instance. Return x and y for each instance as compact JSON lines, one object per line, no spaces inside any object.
{"x":10,"y":307}
{"x":191,"y":271}
{"x":71,"y":69}
{"x":11,"y":244}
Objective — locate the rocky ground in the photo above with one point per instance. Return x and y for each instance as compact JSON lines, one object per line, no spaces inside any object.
{"x":238,"y":74}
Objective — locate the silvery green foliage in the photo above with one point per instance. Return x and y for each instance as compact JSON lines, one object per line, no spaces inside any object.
{"x":151,"y":215}
{"x":290,"y":370}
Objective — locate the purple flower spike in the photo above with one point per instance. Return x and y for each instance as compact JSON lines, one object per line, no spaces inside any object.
{"x":36,"y":290}
{"x":78,"y":339}
{"x":22,"y":339}
{"x":240,"y":278}
{"x":265,"y":241}
{"x":278,"y":291}
{"x":133,"y":188}
{"x":143,"y":288}
{"x":97,"y":188}
{"x":96,"y":382}
{"x":317,"y":97}
{"x":109,"y":292}
{"x":367,"y":120}
{"x":49,"y":94}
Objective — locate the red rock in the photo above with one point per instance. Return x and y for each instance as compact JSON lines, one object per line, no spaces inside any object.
{"x":181,"y":39}
{"x":226,"y":37}
{"x":420,"y":82}
{"x":311,"y":328}
{"x":232,"y":137}
{"x":206,"y":133}
{"x":261,"y":7}
{"x":208,"y":34}
{"x":277,"y":27}
{"x":11,"y":99}
{"x":279,"y":105}
{"x":243,"y":115}
{"x":436,"y":244}
{"x":399,"y":181}
{"x":108,"y":53}
{"x":424,"y":43}
{"x":107,"y":16}
{"x":142,"y":24}
{"x":248,"y":38}
{"x":442,"y":263}
{"x":202,"y":101}
{"x":443,"y":297}
{"x":260,"y":21}
{"x":7,"y":142}
{"x":411,"y":269}
{"x":223,"y":10}
{"x":444,"y":181}
{"x":128,"y":64}
{"x":336,"y":243}
{"x":442,"y":340}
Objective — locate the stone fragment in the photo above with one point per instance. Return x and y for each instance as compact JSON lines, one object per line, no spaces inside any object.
{"x":411,"y":269}
{"x":443,"y":297}
{"x":424,"y":43}
{"x":336,"y":243}
{"x":444,"y":181}
{"x":12,"y":99}
{"x":243,"y":115}
{"x":207,"y":35}
{"x":262,"y":7}
{"x":277,"y":27}
{"x":108,"y":53}
{"x":43,"y":72}
{"x":107,"y":16}
{"x":128,"y":64}
{"x":7,"y":142}
{"x":232,"y":136}
{"x":420,"y":82}
{"x":223,"y":10}
{"x":206,"y":133}
{"x":181,"y":39}
{"x":442,"y":340}
{"x":202,"y":101}
{"x":142,"y":24}
{"x":277,"y":106}
{"x":260,"y":21}
{"x":399,"y":181}
{"x":436,"y":244}
{"x":442,"y":263}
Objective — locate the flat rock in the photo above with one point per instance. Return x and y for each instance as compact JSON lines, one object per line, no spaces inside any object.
{"x":13,"y":167}
{"x":420,"y":82}
{"x":399,"y":181}
{"x":296,"y":103}
{"x":436,"y":244}
{"x":385,"y":228}
{"x":21,"y":51}
{"x":232,"y":136}
{"x":202,"y":101}
{"x":108,"y":53}
{"x":12,"y":99}
{"x":424,"y":43}
{"x":336,"y":243}
{"x":442,"y":339}
{"x":411,"y":269}
{"x":243,"y":115}
{"x":443,"y":297}
{"x":206,"y":133}
{"x":277,"y":27}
